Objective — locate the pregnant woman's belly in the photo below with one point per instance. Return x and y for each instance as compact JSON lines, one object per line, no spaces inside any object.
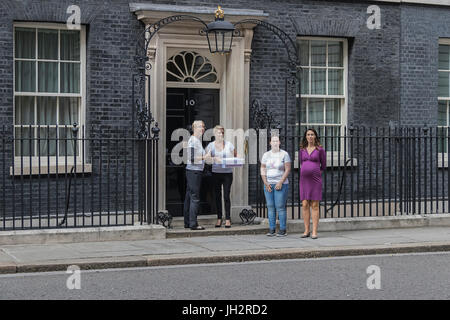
{"x":310,"y":170}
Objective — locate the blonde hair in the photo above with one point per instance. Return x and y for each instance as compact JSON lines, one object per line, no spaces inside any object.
{"x":219,"y":127}
{"x":197,"y":122}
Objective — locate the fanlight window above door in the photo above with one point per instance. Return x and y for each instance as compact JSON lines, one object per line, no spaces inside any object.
{"x":189,"y":66}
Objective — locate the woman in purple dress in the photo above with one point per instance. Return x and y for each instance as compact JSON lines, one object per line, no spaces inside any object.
{"x":312,"y":159}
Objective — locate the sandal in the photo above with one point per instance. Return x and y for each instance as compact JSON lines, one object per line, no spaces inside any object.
{"x":306,"y":235}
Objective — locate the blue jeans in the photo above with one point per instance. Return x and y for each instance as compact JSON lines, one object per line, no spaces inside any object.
{"x":276,"y":200}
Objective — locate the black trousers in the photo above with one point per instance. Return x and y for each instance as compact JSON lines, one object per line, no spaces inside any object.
{"x":225,"y":180}
{"x":192,"y":199}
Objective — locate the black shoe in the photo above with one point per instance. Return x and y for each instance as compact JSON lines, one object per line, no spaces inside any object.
{"x":198,"y":228}
{"x":219,"y":224}
{"x":282,"y":233}
{"x":306,"y":235}
{"x":271,"y":233}
{"x":186,"y":227}
{"x":314,"y":237}
{"x":228,"y":226}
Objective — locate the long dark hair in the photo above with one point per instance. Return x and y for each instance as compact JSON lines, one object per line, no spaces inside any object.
{"x":304,"y":142}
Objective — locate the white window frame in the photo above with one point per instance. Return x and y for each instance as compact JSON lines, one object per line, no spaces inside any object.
{"x":22,"y":164}
{"x":443,"y":161}
{"x":339,"y":158}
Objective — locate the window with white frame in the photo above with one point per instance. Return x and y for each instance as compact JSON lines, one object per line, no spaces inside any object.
{"x":444,"y":94}
{"x":323,"y":88}
{"x":49,"y":66}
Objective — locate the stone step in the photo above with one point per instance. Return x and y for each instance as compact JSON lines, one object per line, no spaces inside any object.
{"x":203,"y":220}
{"x":236,"y":229}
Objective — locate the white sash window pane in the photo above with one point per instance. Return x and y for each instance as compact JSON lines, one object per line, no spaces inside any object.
{"x":318,"y":53}
{"x":24,"y":110}
{"x":70,"y":77}
{"x":25,"y":73}
{"x":318,"y":81}
{"x":335,"y":54}
{"x":442,"y":142}
{"x":444,"y":54}
{"x":68,"y":111}
{"x":333,"y":139}
{"x":46,"y":110}
{"x":24,"y":144}
{"x":304,"y":52}
{"x":303,"y":111}
{"x":70,"y":45}
{"x":335,"y":81}
{"x":442,"y":113}
{"x":67,"y":142}
{"x":305,"y":80}
{"x":47,"y":142}
{"x":48,"y":76}
{"x":315,"y":111}
{"x":25,"y":43}
{"x":48,"y":44}
{"x":333,"y":111}
{"x":443,"y":84}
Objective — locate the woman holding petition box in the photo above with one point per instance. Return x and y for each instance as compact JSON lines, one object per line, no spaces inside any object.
{"x":222,"y":174}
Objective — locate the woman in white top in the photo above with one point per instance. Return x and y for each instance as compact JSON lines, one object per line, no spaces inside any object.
{"x":222,"y":175}
{"x":275,"y":168}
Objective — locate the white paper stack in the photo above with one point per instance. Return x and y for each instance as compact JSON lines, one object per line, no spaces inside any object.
{"x":232,"y":162}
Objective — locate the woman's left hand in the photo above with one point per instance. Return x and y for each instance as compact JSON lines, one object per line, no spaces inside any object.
{"x":278,"y":186}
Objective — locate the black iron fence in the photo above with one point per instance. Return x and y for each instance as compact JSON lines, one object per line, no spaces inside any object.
{"x":373,"y":172}
{"x":68,"y":176}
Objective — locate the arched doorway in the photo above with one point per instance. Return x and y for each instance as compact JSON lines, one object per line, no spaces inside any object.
{"x":192,"y":93}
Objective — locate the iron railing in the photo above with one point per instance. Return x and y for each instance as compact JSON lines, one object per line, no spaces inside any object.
{"x":67,"y":176}
{"x":372,"y":172}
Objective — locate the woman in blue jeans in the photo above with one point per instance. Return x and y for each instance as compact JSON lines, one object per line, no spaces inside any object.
{"x":275,"y":168}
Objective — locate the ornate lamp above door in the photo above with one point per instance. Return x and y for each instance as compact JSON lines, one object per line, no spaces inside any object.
{"x":220,"y":34}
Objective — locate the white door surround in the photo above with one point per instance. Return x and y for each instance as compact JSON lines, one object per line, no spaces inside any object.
{"x":232,"y":69}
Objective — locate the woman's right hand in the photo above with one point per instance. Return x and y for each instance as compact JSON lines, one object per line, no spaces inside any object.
{"x":268,"y":187}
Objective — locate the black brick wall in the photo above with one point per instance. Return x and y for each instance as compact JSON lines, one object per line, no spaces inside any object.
{"x":392,"y":72}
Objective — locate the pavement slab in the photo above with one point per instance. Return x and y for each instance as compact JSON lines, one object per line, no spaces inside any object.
{"x":6,"y":258}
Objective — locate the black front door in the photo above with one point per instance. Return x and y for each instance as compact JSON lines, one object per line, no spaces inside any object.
{"x":184,"y":106}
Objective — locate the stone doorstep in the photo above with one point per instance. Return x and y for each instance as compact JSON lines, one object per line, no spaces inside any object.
{"x":235,"y":229}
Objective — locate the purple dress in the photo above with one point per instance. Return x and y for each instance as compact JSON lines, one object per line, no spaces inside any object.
{"x":311,"y":173}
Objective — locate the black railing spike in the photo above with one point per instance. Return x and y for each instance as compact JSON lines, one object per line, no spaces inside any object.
{"x":156,"y":130}
{"x":75,"y":128}
{"x":351,"y":128}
